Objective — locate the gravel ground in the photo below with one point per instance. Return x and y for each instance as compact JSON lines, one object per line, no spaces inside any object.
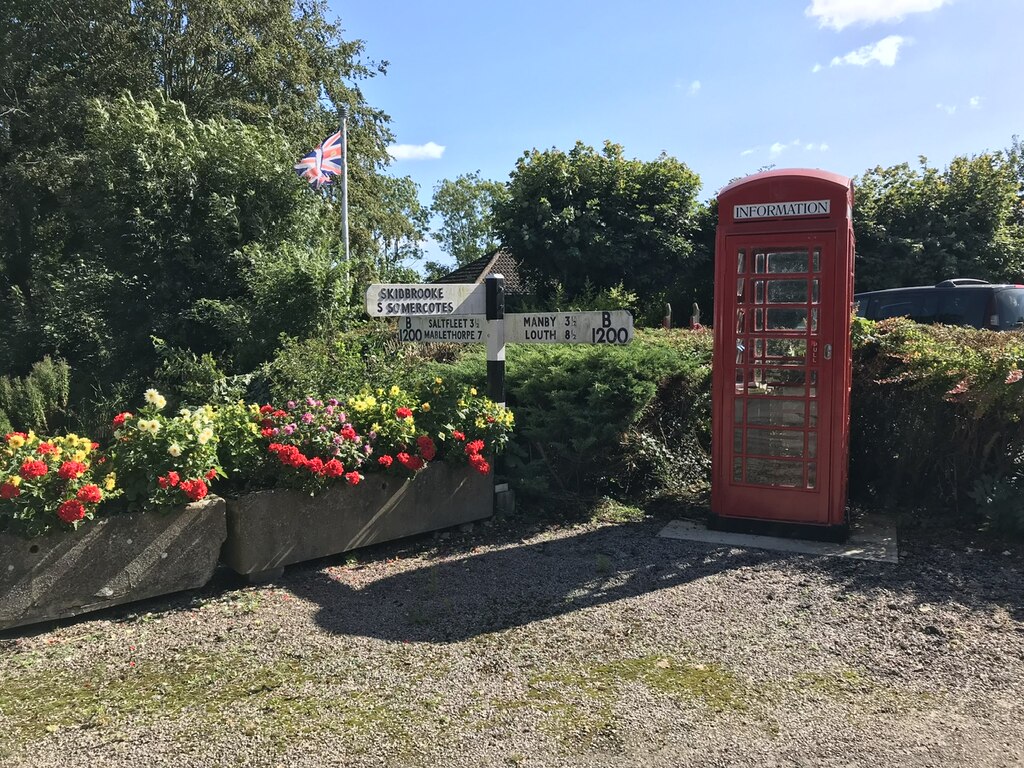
{"x":585,"y":645}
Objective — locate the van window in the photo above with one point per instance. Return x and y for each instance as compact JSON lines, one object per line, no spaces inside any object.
{"x":919,"y":306}
{"x":962,"y":307}
{"x":1009,"y":307}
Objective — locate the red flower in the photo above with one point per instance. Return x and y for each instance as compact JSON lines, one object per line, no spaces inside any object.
{"x":278,"y":413}
{"x":315,"y":465}
{"x":94,"y":446}
{"x":334,"y":468}
{"x":89,"y":494}
{"x":71,"y":470}
{"x":71,"y":511}
{"x":353,"y":478}
{"x":479,"y":463}
{"x":194,"y":489}
{"x":490,"y":419}
{"x":267,"y":432}
{"x":385,"y":461}
{"x":403,"y":413}
{"x":9,"y":435}
{"x":474,"y":447}
{"x":9,"y":491}
{"x":413,"y":463}
{"x":460,"y":436}
{"x":267,"y":423}
{"x":45,"y":448}
{"x":211,"y":474}
{"x":348,"y":432}
{"x":426,"y":447}
{"x":33,"y":468}
{"x":121,"y":418}
{"x":266,"y":408}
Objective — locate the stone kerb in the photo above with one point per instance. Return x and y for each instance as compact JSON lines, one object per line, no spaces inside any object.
{"x":108,"y":562}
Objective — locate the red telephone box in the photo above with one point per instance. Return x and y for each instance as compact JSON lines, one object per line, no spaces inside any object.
{"x":781,"y":401}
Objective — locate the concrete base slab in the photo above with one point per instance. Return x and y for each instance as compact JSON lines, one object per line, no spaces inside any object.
{"x":871,"y":538}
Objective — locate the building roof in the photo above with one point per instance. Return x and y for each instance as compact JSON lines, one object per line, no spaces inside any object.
{"x":497,"y":262}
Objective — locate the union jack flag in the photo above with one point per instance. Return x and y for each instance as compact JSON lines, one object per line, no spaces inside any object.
{"x":323,"y":162}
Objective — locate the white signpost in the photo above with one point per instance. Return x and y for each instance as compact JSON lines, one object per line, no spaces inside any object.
{"x":388,"y":299}
{"x":454,"y":329}
{"x":610,"y":327}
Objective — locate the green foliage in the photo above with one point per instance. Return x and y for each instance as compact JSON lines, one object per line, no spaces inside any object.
{"x":936,"y":410}
{"x":37,"y":401}
{"x":579,"y":216}
{"x":466,"y":207}
{"x":920,"y":226}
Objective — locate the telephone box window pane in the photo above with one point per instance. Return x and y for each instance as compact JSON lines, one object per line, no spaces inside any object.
{"x":758,"y":319}
{"x":787,"y":319}
{"x":741,"y":262}
{"x":740,"y":313}
{"x":737,"y":470}
{"x":784,"y":382}
{"x":759,"y":291}
{"x":737,"y":441}
{"x":812,"y":419}
{"x":739,"y":290}
{"x":812,"y":445}
{"x":740,"y":349}
{"x":787,"y":261}
{"x":775,"y":413}
{"x":812,"y":474}
{"x":739,"y":381}
{"x":775,"y":442}
{"x":759,"y":349}
{"x":817,"y":260}
{"x":737,"y":413}
{"x":759,"y":263}
{"x":786,"y":351}
{"x":788,"y":474}
{"x":814,"y":291}
{"x":788,"y":291}
{"x":814,"y":383}
{"x":814,"y":320}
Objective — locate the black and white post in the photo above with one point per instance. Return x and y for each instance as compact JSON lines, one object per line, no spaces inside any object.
{"x":494,"y":286}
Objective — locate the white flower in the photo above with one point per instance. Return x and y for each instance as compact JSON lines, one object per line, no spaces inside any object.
{"x":174,"y":450}
{"x":205,"y":436}
{"x":152,"y":396}
{"x":160,"y":402}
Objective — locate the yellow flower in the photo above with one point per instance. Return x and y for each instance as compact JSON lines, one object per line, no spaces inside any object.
{"x":14,"y":480}
{"x":205,"y":436}
{"x":480,"y":423}
{"x":254,"y":429}
{"x":472,"y":390}
{"x":110,"y":481}
{"x":79,"y":456}
{"x":395,"y":391}
{"x":425,"y":407}
{"x":16,"y":441}
{"x":437,"y":380}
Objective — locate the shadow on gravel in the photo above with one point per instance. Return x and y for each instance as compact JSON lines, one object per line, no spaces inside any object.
{"x":475,"y":594}
{"x":453,"y":600}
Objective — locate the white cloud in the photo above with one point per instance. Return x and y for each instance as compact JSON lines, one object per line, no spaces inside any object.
{"x":428,"y":151}
{"x":777,"y":149}
{"x":975,"y":102}
{"x":816,"y":68}
{"x":812,"y":147}
{"x":949,"y":109}
{"x":839,"y":14}
{"x":694,"y":88}
{"x":746,"y":152}
{"x":884,"y":52}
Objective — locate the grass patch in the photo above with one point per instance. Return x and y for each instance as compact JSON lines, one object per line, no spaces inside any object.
{"x":610,"y":511}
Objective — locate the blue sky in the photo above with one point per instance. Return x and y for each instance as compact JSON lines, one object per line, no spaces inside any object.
{"x":726,"y":86}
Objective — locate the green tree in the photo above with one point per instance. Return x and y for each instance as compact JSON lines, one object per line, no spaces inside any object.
{"x":466,"y":206}
{"x":586,"y":218}
{"x":921,"y":225}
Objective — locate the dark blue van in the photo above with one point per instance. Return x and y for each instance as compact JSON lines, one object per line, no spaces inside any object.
{"x":962,"y":301}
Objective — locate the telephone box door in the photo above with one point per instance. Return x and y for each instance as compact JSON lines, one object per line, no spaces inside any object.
{"x":782,"y":331}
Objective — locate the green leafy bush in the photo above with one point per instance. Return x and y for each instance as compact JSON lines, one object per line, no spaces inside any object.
{"x":936,"y":413}
{"x":38,"y":400}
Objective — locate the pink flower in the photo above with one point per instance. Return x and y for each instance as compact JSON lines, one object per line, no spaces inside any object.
{"x":960,"y":388}
{"x":1014,"y":376}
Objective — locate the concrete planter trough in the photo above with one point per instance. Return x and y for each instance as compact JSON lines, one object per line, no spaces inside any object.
{"x":110,"y":561}
{"x":271,"y":529}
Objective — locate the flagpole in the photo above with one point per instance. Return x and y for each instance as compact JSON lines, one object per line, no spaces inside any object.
{"x":343,"y":120}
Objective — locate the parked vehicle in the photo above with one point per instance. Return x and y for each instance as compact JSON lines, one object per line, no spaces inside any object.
{"x":961,"y":301}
